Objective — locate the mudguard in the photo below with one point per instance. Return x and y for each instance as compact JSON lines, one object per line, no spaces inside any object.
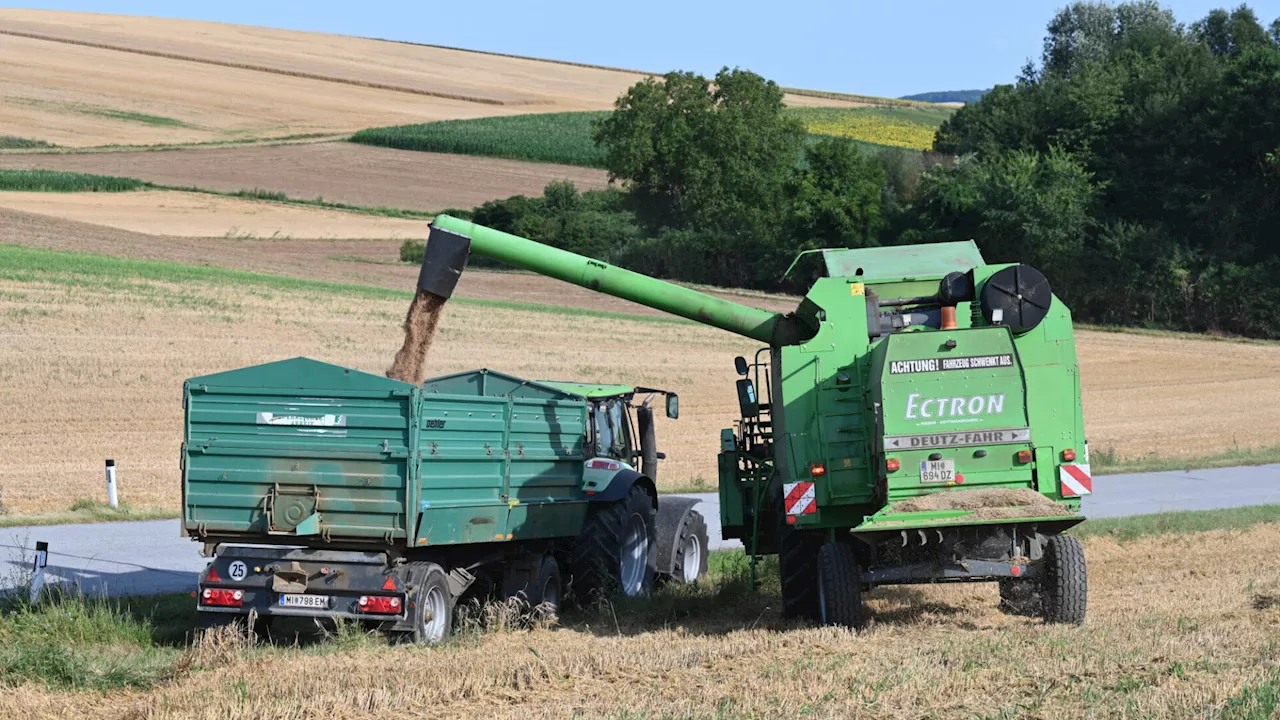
{"x":620,"y":484}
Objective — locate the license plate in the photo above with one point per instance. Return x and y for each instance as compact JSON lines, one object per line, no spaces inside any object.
{"x":937,"y":471}
{"x":305,"y":601}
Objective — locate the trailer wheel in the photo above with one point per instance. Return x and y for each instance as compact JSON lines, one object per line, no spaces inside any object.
{"x":1019,"y":597}
{"x":839,"y":586}
{"x":690,"y":561}
{"x":432,"y":612}
{"x":616,"y":552}
{"x":547,"y":592}
{"x":798,"y":569}
{"x":1064,"y":587}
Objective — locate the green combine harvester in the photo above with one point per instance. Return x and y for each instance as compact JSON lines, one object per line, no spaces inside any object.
{"x":916,"y":419}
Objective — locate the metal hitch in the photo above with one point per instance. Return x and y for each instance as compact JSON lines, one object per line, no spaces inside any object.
{"x":443,"y":261}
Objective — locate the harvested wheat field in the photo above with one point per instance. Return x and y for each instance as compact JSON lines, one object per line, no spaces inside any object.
{"x":1172,"y":632}
{"x":96,"y":348}
{"x":339,"y":172}
{"x":83,"y":79}
{"x":186,"y":214}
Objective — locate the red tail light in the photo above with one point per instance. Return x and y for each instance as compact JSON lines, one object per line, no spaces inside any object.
{"x":223,"y":597}
{"x":1024,"y":456}
{"x":604,"y":465}
{"x":1068,"y":455}
{"x":380,"y":604}
{"x":817,"y":470}
{"x":892,"y":465}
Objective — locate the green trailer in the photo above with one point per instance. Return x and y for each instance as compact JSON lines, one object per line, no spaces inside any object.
{"x":916,"y":419}
{"x":322,"y":491}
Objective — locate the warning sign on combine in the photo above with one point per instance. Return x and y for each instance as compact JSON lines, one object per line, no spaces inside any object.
{"x":977,"y":362}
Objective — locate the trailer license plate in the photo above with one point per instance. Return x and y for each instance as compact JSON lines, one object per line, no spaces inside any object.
{"x":937,"y":471}
{"x":305,"y":601}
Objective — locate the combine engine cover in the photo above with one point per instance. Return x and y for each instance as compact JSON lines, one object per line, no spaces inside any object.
{"x":952,"y":412}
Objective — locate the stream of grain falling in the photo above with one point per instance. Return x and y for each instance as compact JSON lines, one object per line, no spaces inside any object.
{"x":420,"y":324}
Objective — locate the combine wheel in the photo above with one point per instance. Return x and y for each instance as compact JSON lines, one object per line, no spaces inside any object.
{"x":839,"y":586}
{"x":616,"y":552}
{"x":432,"y":611}
{"x":1064,"y":586}
{"x":798,"y":569}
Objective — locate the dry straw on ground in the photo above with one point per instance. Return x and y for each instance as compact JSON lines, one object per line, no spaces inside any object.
{"x":1173,"y":632}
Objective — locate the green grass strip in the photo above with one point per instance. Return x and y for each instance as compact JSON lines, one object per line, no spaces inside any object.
{"x":58,"y":181}
{"x":27,"y":264}
{"x":1104,"y":462}
{"x":10,"y":142}
{"x":1183,"y":522}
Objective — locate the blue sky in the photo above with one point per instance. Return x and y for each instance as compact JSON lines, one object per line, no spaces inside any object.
{"x":888,"y":48}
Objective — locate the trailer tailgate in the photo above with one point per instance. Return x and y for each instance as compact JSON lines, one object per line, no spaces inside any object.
{"x":298,"y":448}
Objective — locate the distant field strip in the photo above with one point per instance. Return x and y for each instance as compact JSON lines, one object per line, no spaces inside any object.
{"x":911,"y":128}
{"x":60,"y":182}
{"x":565,"y":138}
{"x":268,"y":69}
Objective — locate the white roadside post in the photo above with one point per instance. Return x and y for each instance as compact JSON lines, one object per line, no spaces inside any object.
{"x":113,"y":498}
{"x":37,"y":571}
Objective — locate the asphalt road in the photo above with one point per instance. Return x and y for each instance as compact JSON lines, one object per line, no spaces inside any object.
{"x":133,"y":558}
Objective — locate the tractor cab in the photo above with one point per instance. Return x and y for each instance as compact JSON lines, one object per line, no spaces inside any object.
{"x":620,"y":423}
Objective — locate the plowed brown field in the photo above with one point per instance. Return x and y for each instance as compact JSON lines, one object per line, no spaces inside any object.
{"x":91,"y":368}
{"x":337,"y":171}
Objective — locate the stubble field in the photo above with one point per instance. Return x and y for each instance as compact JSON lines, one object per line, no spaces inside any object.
{"x":95,"y":349}
{"x":1172,"y":632}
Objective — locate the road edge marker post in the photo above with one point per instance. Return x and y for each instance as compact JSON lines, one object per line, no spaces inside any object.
{"x":37,"y":571}
{"x":113,"y":497}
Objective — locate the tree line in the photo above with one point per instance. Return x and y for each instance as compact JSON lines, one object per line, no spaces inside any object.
{"x":1137,"y":164}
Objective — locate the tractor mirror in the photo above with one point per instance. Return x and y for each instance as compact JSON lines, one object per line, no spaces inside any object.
{"x":740,"y":364}
{"x":673,"y":406}
{"x":748,"y":404}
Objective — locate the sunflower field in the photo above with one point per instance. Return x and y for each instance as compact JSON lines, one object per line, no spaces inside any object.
{"x":911,"y":128}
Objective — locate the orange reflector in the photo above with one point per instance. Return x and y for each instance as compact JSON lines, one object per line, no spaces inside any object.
{"x":390,"y":584}
{"x":1024,"y":456}
{"x":817,"y":469}
{"x":1069,"y":455}
{"x":892,"y":464}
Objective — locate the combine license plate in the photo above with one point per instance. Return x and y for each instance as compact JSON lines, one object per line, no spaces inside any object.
{"x":937,"y":471}
{"x":305,"y":601}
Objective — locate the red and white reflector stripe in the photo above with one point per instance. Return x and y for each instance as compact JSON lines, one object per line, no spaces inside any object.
{"x":798,"y":498}
{"x":1076,"y":480}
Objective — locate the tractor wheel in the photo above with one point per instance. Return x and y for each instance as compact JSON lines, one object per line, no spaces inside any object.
{"x":1064,"y":586}
{"x":432,"y":611}
{"x":689,"y":563}
{"x":1019,"y":597}
{"x":616,"y":552}
{"x":544,"y":598}
{"x":839,"y":586}
{"x":798,"y":569}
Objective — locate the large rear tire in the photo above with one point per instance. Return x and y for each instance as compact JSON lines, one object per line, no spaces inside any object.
{"x":1064,"y":589}
{"x":839,"y":586}
{"x":432,"y":611}
{"x":616,"y":552}
{"x":798,"y":569}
